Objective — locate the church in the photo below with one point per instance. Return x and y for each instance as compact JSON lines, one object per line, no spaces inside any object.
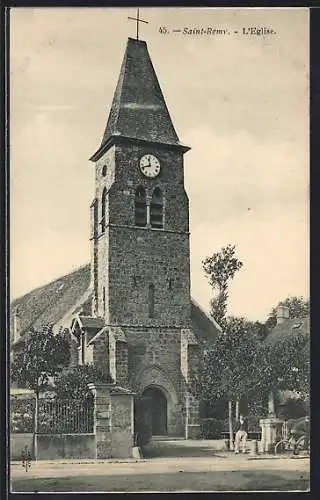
{"x":129,"y":312}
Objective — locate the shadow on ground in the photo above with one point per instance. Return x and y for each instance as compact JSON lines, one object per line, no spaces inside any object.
{"x":164,"y":449}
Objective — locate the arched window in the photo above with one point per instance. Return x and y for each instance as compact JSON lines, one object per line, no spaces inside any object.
{"x":103,"y":210}
{"x":156,"y":209}
{"x":151,"y":300}
{"x":140,"y":207}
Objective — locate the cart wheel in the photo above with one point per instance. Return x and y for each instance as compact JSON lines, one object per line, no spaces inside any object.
{"x":301,"y":443}
{"x":280,"y":447}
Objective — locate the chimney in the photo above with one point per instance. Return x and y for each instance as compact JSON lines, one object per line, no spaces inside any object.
{"x":282,"y":314}
{"x":15,"y":324}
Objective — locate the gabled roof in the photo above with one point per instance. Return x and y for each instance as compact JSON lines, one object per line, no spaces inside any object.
{"x":91,"y":322}
{"x":138,"y":109}
{"x":49,"y":303}
{"x":204,"y":327}
{"x":289,"y":327}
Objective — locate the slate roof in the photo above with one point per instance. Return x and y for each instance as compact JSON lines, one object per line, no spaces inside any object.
{"x":138,"y":109}
{"x":49,"y":303}
{"x":287,"y":328}
{"x":204,"y":327}
{"x":91,"y":322}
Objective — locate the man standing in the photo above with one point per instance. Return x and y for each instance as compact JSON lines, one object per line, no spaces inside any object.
{"x":241,"y":430}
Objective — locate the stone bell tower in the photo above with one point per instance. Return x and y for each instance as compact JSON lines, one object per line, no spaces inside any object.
{"x":140,"y":268}
{"x":140,"y":213}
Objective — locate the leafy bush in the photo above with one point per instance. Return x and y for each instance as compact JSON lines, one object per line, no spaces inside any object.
{"x":73,"y":383}
{"x":22,"y":415}
{"x":218,"y":410}
{"x":293,"y":408}
{"x":40,"y":356}
{"x":211,"y":428}
{"x":253,"y":423}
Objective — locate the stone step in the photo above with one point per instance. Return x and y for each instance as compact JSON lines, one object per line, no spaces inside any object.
{"x":166,"y":438}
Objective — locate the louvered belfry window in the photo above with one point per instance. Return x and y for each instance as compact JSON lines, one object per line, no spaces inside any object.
{"x":140,"y":206}
{"x":156,"y":209}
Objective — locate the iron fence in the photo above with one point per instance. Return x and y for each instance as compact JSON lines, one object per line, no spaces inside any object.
{"x":65,"y":417}
{"x":54,"y":416}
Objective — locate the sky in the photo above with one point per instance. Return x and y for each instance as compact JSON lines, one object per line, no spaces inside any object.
{"x":240,"y":101}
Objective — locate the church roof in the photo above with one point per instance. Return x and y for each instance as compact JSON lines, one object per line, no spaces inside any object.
{"x":138,"y":109}
{"x":49,"y":303}
{"x":204,"y":327}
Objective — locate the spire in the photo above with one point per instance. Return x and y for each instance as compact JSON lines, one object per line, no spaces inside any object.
{"x":138,"y":109}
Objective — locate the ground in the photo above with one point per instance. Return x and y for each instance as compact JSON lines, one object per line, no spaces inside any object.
{"x":220,"y":472}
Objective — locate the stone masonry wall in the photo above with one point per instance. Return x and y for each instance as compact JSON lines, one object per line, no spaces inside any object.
{"x":102,"y":408}
{"x":170,"y":181}
{"x":152,"y":346}
{"x":122,"y":363}
{"x":122,"y":436}
{"x":100,"y":243}
{"x":101,"y":353}
{"x":163,"y":253}
{"x":156,"y":351}
{"x":163,"y":261}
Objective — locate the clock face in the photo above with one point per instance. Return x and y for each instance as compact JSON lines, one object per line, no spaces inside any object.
{"x":150,"y":166}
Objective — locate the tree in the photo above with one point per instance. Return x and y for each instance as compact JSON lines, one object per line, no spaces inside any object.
{"x":285,"y":364}
{"x":231,"y":367}
{"x":73,"y":384}
{"x":220,"y":269}
{"x":298,"y":308}
{"x":41,"y":355}
{"x":286,"y":354}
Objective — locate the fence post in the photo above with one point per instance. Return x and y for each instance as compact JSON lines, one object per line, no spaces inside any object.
{"x":102,"y":418}
{"x":271,"y":428}
{"x":122,"y":421}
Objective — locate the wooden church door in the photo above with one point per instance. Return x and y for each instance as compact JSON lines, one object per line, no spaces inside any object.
{"x":155,"y":405}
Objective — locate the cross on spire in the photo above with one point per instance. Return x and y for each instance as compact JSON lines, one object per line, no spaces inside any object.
{"x":138,"y":21}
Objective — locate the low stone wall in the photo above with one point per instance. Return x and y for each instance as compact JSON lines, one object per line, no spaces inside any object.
{"x":112,"y":436}
{"x":18,"y":442}
{"x":53,"y":446}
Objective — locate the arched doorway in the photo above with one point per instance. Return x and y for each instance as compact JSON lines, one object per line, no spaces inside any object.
{"x":153,"y":406}
{"x":158,"y":410}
